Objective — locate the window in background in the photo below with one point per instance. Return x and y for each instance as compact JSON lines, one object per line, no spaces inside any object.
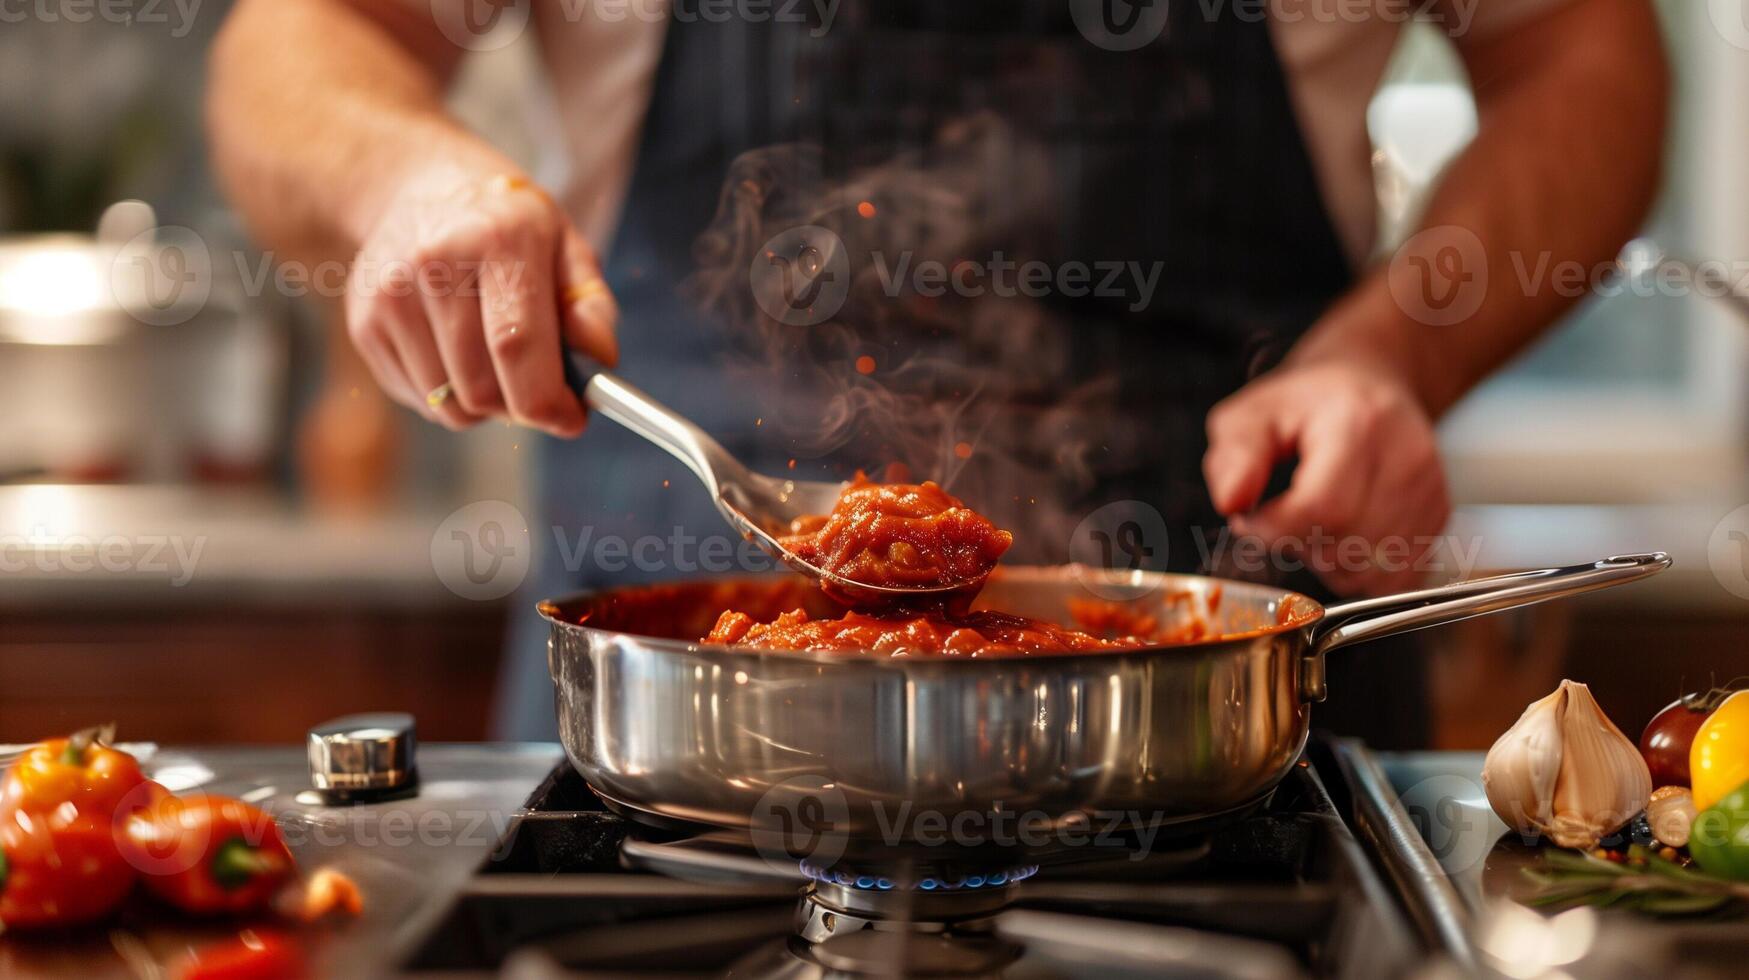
{"x":1633,"y":398}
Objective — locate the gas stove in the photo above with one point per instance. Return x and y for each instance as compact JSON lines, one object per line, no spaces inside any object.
{"x":1320,"y":881}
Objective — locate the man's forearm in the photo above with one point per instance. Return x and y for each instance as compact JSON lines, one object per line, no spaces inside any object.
{"x":317,"y":113}
{"x":1562,"y":171}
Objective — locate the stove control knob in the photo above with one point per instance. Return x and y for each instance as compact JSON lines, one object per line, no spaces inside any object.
{"x":364,"y":757}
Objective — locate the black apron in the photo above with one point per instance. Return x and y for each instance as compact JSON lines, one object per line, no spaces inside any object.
{"x":975,"y":132}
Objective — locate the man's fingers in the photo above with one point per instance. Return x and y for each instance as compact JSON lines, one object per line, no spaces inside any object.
{"x":1329,"y":488}
{"x":455,"y":319}
{"x":521,"y":323}
{"x":1243,"y":448}
{"x":368,"y":329}
{"x":589,"y":317}
{"x":417,"y":350}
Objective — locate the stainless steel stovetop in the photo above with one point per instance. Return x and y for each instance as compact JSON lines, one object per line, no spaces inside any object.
{"x":504,"y":864}
{"x":1297,"y":889}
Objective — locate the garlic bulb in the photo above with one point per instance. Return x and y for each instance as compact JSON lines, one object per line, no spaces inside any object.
{"x":1564,"y":769}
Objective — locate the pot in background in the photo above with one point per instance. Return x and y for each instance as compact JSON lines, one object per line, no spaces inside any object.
{"x":138,"y":359}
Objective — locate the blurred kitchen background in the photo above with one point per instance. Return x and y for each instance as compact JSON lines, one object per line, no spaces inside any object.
{"x":239,"y":430}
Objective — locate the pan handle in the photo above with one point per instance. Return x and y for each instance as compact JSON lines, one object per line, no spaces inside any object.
{"x":1369,"y":619}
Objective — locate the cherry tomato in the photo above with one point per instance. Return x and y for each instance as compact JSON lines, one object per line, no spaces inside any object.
{"x":1670,"y":735}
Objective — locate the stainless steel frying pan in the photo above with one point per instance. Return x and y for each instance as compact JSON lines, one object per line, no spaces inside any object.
{"x":668,"y":728}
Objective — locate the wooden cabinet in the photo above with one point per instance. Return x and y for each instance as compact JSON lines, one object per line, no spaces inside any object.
{"x":208,"y":675}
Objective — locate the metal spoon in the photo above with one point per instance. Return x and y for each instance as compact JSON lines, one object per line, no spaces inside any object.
{"x":759,"y":506}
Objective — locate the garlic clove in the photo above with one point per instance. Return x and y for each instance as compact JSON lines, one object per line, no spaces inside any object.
{"x":1521,"y":769}
{"x":1671,"y":813}
{"x":1599,"y":780}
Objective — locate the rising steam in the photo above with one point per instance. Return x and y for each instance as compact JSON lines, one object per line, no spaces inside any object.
{"x":977,"y":392}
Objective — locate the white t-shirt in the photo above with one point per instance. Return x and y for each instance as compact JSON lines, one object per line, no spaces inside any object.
{"x":1333,"y":52}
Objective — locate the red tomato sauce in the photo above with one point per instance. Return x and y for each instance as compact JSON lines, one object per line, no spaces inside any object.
{"x":974,"y":634}
{"x":919,"y":535}
{"x":903,"y":535}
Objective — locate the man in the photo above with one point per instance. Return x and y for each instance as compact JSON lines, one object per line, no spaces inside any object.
{"x":1224,"y":160}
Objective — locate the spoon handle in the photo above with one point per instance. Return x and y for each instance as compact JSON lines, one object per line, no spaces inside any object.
{"x":605,"y":392}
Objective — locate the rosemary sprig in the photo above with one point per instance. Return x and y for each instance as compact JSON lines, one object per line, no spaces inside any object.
{"x":1645,"y":882}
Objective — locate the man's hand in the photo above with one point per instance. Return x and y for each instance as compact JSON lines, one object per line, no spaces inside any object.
{"x":1368,"y":492}
{"x":477,"y":280}
{"x":330,"y":133}
{"x":1577,"y":89}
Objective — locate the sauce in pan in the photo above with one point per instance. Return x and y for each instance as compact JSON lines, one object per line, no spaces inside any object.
{"x":914,"y":535}
{"x":904,"y":633}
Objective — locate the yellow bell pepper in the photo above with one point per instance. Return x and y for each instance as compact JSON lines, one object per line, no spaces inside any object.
{"x":1718,"y":761}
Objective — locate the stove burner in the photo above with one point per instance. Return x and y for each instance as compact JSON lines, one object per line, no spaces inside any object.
{"x":893,"y":954}
{"x":931,"y":883}
{"x":597,"y":891}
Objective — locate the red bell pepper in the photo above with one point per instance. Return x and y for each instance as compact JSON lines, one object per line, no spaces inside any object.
{"x":59,"y":861}
{"x":59,"y":872}
{"x":208,"y":855}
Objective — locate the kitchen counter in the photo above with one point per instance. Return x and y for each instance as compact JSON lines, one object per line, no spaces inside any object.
{"x":163,"y":544}
{"x":174,"y":611}
{"x":409,"y":857}
{"x":1442,"y":794}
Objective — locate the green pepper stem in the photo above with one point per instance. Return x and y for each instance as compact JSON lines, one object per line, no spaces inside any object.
{"x":238,"y":862}
{"x":84,"y":738}
{"x":74,"y":753}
